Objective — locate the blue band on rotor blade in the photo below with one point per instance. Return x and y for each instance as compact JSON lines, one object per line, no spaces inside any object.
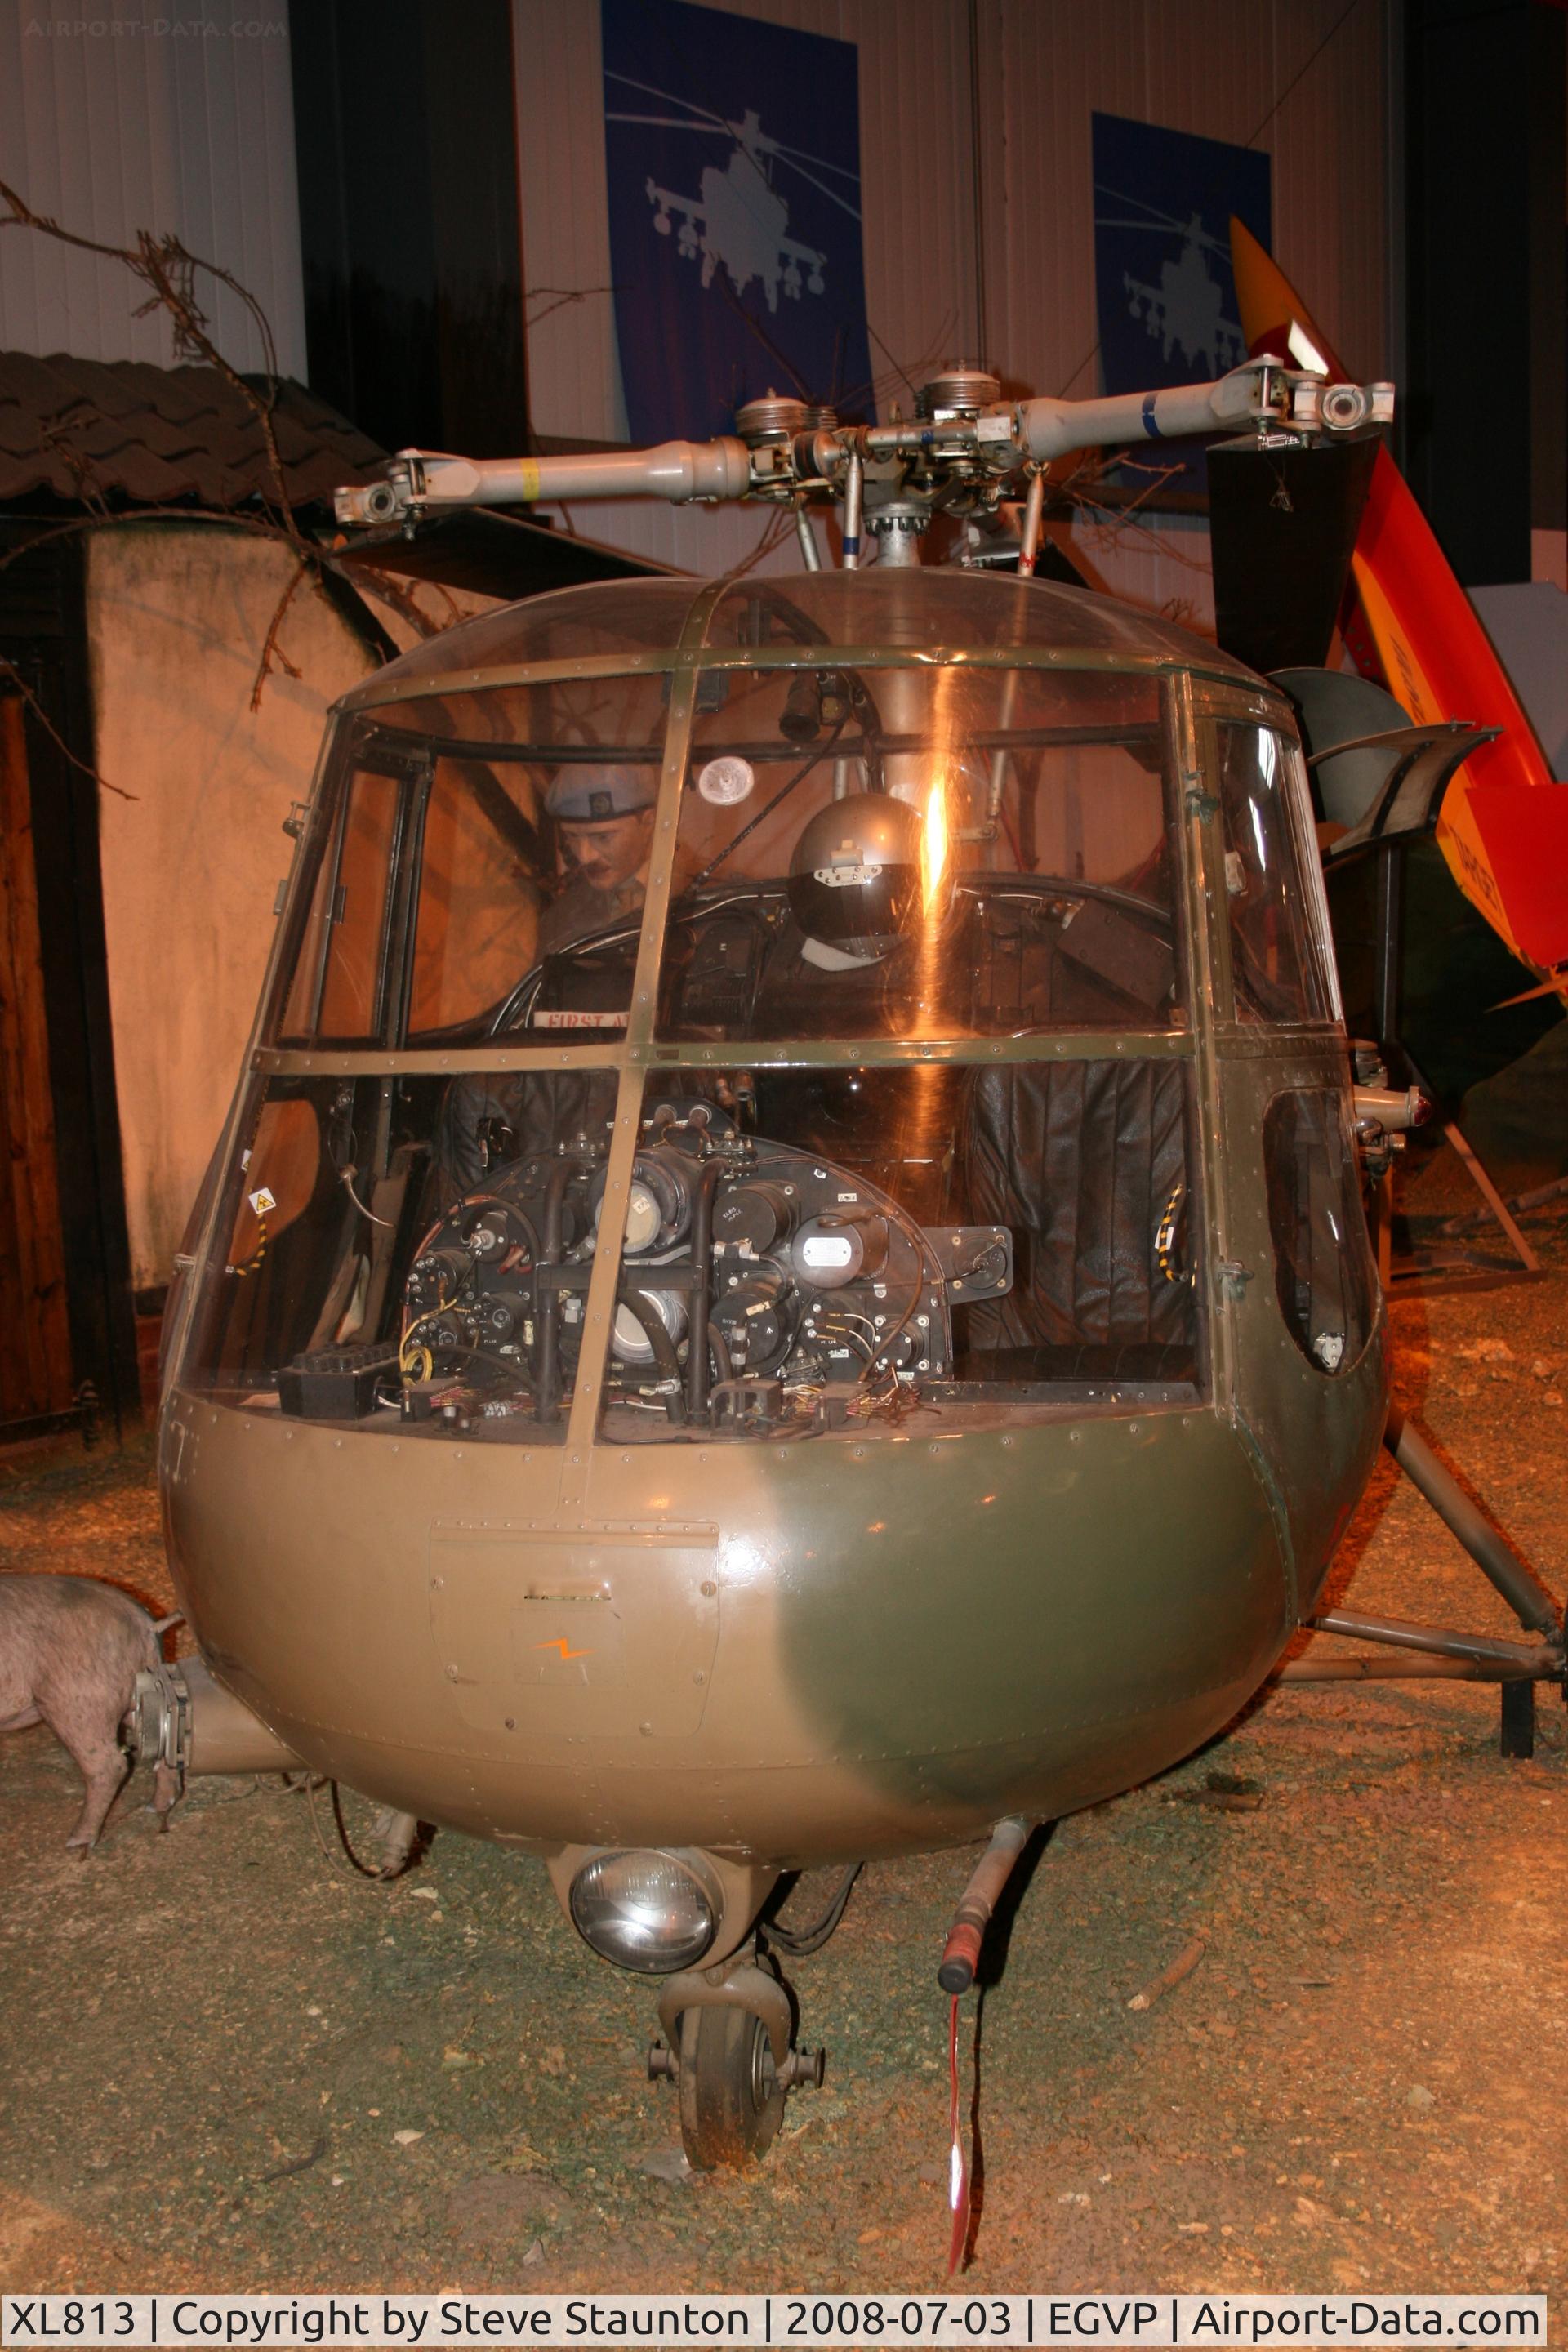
{"x":1149,"y":427}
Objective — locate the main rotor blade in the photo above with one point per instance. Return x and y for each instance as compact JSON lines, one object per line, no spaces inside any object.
{"x":669,"y":97}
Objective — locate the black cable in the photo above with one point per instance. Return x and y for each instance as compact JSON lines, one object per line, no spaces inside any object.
{"x":386,"y":1876}
{"x":886,"y":1347}
{"x":697,"y":1351}
{"x":640,"y":1305}
{"x":800,"y":1943}
{"x":723,"y":1367}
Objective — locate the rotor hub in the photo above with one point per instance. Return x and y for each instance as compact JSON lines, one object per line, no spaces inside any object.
{"x":962,"y":389}
{"x":772,"y":420}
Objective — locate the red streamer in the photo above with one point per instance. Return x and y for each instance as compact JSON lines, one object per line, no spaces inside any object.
{"x":957,"y":2164}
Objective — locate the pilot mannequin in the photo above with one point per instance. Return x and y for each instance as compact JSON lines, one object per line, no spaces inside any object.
{"x":1078,"y":1159}
{"x":605,"y":817}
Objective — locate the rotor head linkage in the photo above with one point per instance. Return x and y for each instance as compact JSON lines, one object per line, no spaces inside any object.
{"x":965,"y":448}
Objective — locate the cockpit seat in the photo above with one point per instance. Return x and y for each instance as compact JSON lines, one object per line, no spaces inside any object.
{"x":1084,"y":1162}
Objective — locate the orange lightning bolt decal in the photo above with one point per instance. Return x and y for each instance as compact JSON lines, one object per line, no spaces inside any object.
{"x":560,"y":1643}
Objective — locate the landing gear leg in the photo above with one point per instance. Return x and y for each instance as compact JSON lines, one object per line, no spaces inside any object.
{"x":727,"y":2043}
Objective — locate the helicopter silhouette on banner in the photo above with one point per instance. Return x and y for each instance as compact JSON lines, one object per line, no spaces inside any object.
{"x":1167,"y":295}
{"x":737,"y":223}
{"x":1185,"y":311}
{"x":734,"y":213}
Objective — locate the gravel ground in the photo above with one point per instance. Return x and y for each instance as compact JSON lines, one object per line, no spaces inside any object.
{"x":224,"y":2065}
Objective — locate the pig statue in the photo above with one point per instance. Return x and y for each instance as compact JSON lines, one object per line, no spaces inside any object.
{"x":70,"y":1651}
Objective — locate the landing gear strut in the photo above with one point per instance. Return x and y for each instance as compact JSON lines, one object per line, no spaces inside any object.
{"x":726,"y":2041}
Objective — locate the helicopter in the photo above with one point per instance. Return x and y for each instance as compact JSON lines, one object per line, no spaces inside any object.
{"x":849,"y":1329}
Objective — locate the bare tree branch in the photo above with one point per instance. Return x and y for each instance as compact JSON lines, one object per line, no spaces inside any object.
{"x":565,"y":297}
{"x":392,"y":593}
{"x":270,"y":648}
{"x":53,"y":733}
{"x":169,"y":271}
{"x":168,"y":268}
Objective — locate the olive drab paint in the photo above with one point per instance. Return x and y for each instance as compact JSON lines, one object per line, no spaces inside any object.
{"x":772,"y":1650}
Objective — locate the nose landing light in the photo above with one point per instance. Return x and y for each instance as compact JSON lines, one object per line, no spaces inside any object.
{"x":650,"y":1912}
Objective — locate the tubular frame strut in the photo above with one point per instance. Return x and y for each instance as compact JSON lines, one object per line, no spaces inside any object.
{"x":1434,"y":1652}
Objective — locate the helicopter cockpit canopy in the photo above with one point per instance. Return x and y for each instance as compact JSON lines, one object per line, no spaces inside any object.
{"x":761,"y":1010}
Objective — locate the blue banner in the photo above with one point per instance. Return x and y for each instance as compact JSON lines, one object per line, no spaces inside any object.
{"x":732,"y":151}
{"x":1166,"y":297}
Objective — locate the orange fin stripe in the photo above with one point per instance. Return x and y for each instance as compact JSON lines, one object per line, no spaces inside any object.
{"x":1436,"y":658}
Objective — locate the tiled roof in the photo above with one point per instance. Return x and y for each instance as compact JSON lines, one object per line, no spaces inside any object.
{"x":122,"y":431}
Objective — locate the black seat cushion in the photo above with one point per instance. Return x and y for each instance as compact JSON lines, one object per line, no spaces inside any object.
{"x":1080,"y":1159}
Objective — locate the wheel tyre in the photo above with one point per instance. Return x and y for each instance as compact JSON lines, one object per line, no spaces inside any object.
{"x":731,"y":2103}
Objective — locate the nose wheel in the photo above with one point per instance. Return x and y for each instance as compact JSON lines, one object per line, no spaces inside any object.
{"x":731,"y":2101}
{"x":726,"y":2047}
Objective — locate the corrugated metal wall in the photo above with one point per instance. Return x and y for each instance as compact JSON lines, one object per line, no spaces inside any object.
{"x":915,"y":150}
{"x":1303,"y":78}
{"x":143,"y":116}
{"x":194,"y":133}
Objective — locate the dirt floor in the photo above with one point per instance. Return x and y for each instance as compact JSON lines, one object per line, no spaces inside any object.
{"x":223,"y":2064}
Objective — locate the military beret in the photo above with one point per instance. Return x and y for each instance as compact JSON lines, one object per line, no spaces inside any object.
{"x":596,"y":795}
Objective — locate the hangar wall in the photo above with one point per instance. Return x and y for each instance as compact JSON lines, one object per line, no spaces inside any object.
{"x":175,"y":620}
{"x":1302,"y":79}
{"x":190,"y":133}
{"x":196,"y":135}
{"x":1307,"y":78}
{"x":192,"y":859}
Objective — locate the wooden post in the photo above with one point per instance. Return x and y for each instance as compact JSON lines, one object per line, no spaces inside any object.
{"x":35,"y":1370}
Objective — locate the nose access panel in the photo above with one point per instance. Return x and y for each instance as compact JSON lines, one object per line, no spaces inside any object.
{"x":598,"y":1631}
